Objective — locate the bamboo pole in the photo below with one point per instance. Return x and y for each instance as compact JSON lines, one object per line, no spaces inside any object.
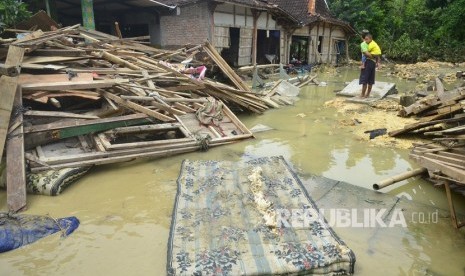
{"x":397,"y":178}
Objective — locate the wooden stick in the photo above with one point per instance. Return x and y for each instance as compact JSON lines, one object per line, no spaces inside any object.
{"x":118,"y":31}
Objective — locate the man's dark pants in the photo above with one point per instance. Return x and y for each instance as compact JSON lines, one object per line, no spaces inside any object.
{"x":367,"y":75}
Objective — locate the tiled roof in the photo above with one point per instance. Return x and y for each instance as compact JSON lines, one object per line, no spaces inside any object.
{"x":298,"y":9}
{"x":250,"y":3}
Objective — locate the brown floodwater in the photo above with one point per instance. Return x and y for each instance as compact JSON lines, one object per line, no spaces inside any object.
{"x":125,"y":209}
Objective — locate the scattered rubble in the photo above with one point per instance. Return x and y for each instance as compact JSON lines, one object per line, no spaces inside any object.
{"x":74,"y":98}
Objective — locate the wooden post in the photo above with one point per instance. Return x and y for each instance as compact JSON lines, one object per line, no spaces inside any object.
{"x":347,"y":48}
{"x":439,"y":88}
{"x":15,"y":167}
{"x":309,"y":54}
{"x":287,"y":43}
{"x":256,"y":15}
{"x":451,"y":205}
{"x":323,"y":35}
{"x":330,"y":38}
{"x":87,"y":7}
{"x":8,"y":87}
{"x":47,"y":8}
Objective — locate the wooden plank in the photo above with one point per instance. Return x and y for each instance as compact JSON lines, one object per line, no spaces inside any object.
{"x":157,"y":100}
{"x":144,"y":128}
{"x":211,"y":51}
{"x":101,"y":124}
{"x":8,"y":87}
{"x":451,"y":205}
{"x":454,"y":130}
{"x":53,"y":59}
{"x":117,"y":60}
{"x":37,"y":113}
{"x":250,"y":68}
{"x":141,"y":129}
{"x":59,"y":52}
{"x":98,"y":144}
{"x":439,"y":88}
{"x":457,"y":161}
{"x":44,"y":97}
{"x":412,"y":127}
{"x":453,"y":95}
{"x":147,"y":98}
{"x":117,"y":159}
{"x":48,"y":67}
{"x":434,"y":165}
{"x":231,"y":138}
{"x":273,"y":89}
{"x":40,"y":152}
{"x":66,"y":85}
{"x":104,"y":140}
{"x":137,"y":107}
{"x":97,"y":157}
{"x":236,"y":121}
{"x":449,"y":111}
{"x":39,"y":138}
{"x":452,"y":155}
{"x":45,"y":78}
{"x":148,"y":143}
{"x":419,"y":106}
{"x":28,"y":37}
{"x":16,"y":170}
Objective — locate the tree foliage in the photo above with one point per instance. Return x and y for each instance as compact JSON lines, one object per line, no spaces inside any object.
{"x":12,"y":12}
{"x":408,"y":30}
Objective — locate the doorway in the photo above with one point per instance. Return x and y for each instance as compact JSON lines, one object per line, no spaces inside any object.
{"x":268,"y":46}
{"x":299,"y":50}
{"x":231,"y":54}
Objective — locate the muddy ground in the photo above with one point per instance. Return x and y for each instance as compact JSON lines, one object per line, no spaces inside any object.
{"x":359,"y":118}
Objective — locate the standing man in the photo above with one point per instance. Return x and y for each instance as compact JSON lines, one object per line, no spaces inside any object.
{"x":367,"y":74}
{"x":363,"y":45}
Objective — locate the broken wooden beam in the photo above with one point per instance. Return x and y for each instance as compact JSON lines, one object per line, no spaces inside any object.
{"x":73,"y":85}
{"x":137,"y":107}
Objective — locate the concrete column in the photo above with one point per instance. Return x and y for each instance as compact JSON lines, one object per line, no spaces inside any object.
{"x":87,"y":7}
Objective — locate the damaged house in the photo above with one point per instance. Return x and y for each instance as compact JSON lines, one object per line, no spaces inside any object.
{"x":244,"y":32}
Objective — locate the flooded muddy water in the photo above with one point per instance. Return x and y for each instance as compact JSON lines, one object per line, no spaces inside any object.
{"x":125,"y":209}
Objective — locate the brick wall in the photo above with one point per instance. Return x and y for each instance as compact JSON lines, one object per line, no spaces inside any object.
{"x":193,"y":26}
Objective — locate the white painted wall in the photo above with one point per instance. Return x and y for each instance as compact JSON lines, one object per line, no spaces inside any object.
{"x":228,"y":15}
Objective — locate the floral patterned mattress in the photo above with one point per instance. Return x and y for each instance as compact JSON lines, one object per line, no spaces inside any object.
{"x":218,"y":225}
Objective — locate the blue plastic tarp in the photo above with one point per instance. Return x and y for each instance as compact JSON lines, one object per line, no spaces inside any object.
{"x":19,"y":230}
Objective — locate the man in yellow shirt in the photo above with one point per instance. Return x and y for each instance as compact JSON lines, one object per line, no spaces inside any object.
{"x":372,"y":51}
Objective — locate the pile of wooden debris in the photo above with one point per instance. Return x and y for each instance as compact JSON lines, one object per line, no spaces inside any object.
{"x":442,"y":118}
{"x":73,"y":97}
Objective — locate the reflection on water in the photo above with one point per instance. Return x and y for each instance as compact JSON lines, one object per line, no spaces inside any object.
{"x":125,"y":209}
